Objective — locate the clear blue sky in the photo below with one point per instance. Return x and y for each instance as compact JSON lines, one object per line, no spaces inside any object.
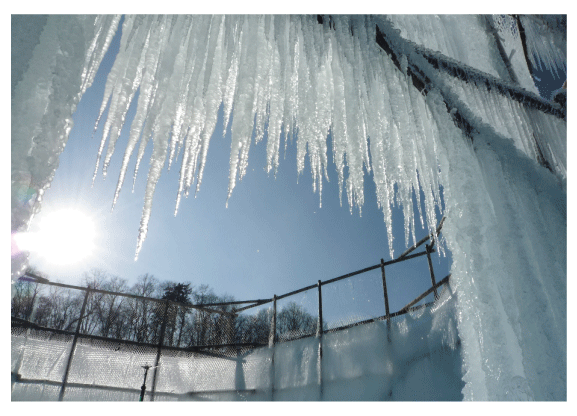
{"x":273,"y":237}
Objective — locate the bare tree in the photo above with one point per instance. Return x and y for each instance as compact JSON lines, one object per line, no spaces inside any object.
{"x":253,"y":328}
{"x":59,"y":309}
{"x":109,"y":309}
{"x":294,"y":321}
{"x":25,"y":295}
{"x":140,"y":310}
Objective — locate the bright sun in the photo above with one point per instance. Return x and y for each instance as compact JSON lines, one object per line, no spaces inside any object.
{"x":65,"y":237}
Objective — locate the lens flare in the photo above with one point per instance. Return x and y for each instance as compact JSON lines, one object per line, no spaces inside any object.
{"x":64,"y":237}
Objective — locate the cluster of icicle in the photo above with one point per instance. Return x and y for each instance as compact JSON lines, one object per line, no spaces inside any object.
{"x":283,"y":75}
{"x":547,"y":42}
{"x":525,"y":126}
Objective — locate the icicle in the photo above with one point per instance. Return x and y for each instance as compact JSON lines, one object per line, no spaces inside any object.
{"x":113,"y":83}
{"x":242,"y":122}
{"x":122,"y":97}
{"x":276,"y":101}
{"x":213,"y":94}
{"x":106,"y":27}
{"x":236,"y":43}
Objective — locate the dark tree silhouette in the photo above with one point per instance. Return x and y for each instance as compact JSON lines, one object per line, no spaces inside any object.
{"x":141,"y":311}
{"x":24,"y":296}
{"x":176,"y":317}
{"x":177,"y":292}
{"x":141,"y":320}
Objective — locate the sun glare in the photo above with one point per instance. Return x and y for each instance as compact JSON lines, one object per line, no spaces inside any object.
{"x":64,"y":237}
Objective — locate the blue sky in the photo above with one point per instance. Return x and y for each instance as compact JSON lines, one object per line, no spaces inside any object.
{"x":273,"y":237}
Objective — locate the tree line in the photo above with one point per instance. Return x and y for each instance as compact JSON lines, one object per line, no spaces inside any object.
{"x":140,"y":320}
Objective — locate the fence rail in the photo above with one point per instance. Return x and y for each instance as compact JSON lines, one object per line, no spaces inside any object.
{"x":227,"y":337}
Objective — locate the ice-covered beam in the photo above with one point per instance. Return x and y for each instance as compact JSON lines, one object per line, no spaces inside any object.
{"x":499,"y":42}
{"x":523,"y":38}
{"x":422,"y":83}
{"x":468,"y":74}
{"x":404,"y":48}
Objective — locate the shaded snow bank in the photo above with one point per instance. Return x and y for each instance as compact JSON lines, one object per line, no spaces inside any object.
{"x":419,"y":359}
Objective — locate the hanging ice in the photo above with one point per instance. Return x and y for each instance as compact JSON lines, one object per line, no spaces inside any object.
{"x":416,"y":108}
{"x":281,"y":72}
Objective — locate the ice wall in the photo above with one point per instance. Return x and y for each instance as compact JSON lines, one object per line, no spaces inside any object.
{"x":418,"y":359}
{"x":509,"y":273}
{"x":506,"y":219}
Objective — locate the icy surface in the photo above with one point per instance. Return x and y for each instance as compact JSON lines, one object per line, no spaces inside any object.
{"x":289,"y":76}
{"x":418,"y":359}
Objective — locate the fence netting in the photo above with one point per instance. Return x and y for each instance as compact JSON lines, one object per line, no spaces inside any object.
{"x":353,"y":300}
{"x":73,"y":343}
{"x":407,"y":280}
{"x":297,"y":315}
